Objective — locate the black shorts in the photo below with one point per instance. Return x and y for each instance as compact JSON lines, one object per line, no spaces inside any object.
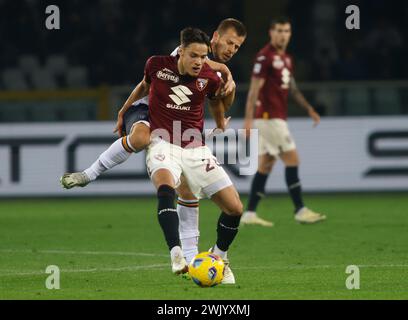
{"x":137,"y":112}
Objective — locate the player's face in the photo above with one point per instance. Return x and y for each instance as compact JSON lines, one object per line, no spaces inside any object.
{"x":226,"y":44}
{"x":280,"y":35}
{"x":193,"y":57}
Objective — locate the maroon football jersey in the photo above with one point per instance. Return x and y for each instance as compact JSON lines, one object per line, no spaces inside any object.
{"x":176,"y":102}
{"x":277,"y":70}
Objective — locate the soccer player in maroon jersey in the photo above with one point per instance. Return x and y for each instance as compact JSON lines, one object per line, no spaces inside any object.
{"x":272,"y":80}
{"x":226,"y":41}
{"x":177,"y":88}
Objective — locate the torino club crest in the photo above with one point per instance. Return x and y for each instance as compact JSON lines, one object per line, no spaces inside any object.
{"x":201,"y":83}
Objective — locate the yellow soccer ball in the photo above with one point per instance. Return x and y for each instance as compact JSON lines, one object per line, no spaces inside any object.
{"x":206,"y":269}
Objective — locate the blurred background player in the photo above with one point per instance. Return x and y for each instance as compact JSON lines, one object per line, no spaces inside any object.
{"x":134,"y":122}
{"x":170,"y":154}
{"x":272,"y":80}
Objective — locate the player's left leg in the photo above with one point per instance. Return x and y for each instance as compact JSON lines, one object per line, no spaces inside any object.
{"x":257,"y":192}
{"x":231,"y":206}
{"x":206,"y":178}
{"x":188,"y":212}
{"x":136,"y":137}
{"x":302,"y":214}
{"x":227,"y":199}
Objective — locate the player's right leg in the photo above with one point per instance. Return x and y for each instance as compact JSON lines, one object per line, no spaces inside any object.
{"x":267,"y":151}
{"x":163,"y":179}
{"x":165,"y":173}
{"x":265,"y":165}
{"x":302,"y":214}
{"x":137,"y":128}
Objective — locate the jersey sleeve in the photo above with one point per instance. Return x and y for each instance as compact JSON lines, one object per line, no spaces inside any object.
{"x":261,"y":66}
{"x":175,"y":52}
{"x":148,"y":70}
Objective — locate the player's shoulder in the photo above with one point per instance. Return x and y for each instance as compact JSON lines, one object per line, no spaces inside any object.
{"x":160,"y":60}
{"x":264,"y":53}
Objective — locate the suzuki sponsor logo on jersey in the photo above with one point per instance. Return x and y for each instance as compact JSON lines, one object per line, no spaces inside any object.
{"x":201,"y":83}
{"x":167,"y":75}
{"x":180,"y":95}
{"x":278,"y":62}
{"x":176,"y":107}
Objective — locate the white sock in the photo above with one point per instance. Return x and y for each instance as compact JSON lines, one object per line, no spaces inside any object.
{"x":175,"y":251}
{"x":190,"y":248}
{"x":219,"y":252}
{"x":300,"y":211}
{"x":188,"y":213}
{"x":117,"y":153}
{"x":249,"y":213}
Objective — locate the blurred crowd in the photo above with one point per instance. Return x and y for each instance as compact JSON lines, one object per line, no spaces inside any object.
{"x":327,"y":50}
{"x":113,"y":38}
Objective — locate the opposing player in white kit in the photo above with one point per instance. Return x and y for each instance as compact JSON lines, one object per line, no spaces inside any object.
{"x":226,"y":41}
{"x":272,"y":80}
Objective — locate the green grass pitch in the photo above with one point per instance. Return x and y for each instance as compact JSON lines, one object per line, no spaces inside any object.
{"x":114,"y":249}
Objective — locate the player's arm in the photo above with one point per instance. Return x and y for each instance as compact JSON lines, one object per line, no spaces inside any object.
{"x":217,"y":110}
{"x":253,"y":94}
{"x":229,"y":83}
{"x":302,"y":102}
{"x":227,"y":91}
{"x":228,"y":100}
{"x":140,"y":91}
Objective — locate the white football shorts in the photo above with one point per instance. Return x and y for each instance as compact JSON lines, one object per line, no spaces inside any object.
{"x":274,"y":136}
{"x":200,"y":167}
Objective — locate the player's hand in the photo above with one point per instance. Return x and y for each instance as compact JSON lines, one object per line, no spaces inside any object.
{"x":315,"y":117}
{"x":227,"y":81}
{"x":226,"y":122}
{"x":228,"y":87}
{"x":119,"y":125}
{"x":220,"y":130}
{"x":247,"y":127}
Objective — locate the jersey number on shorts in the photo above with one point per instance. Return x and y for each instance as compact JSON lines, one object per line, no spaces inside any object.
{"x":211,"y":163}
{"x":180,"y":94}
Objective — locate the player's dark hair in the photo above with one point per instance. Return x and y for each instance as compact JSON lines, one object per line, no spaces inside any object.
{"x":279,"y":20}
{"x":191,"y":35}
{"x":235,"y":24}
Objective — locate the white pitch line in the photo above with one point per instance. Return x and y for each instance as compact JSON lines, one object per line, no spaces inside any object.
{"x":4,"y":273}
{"x":127,"y":253}
{"x":128,"y":268}
{"x":113,"y":253}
